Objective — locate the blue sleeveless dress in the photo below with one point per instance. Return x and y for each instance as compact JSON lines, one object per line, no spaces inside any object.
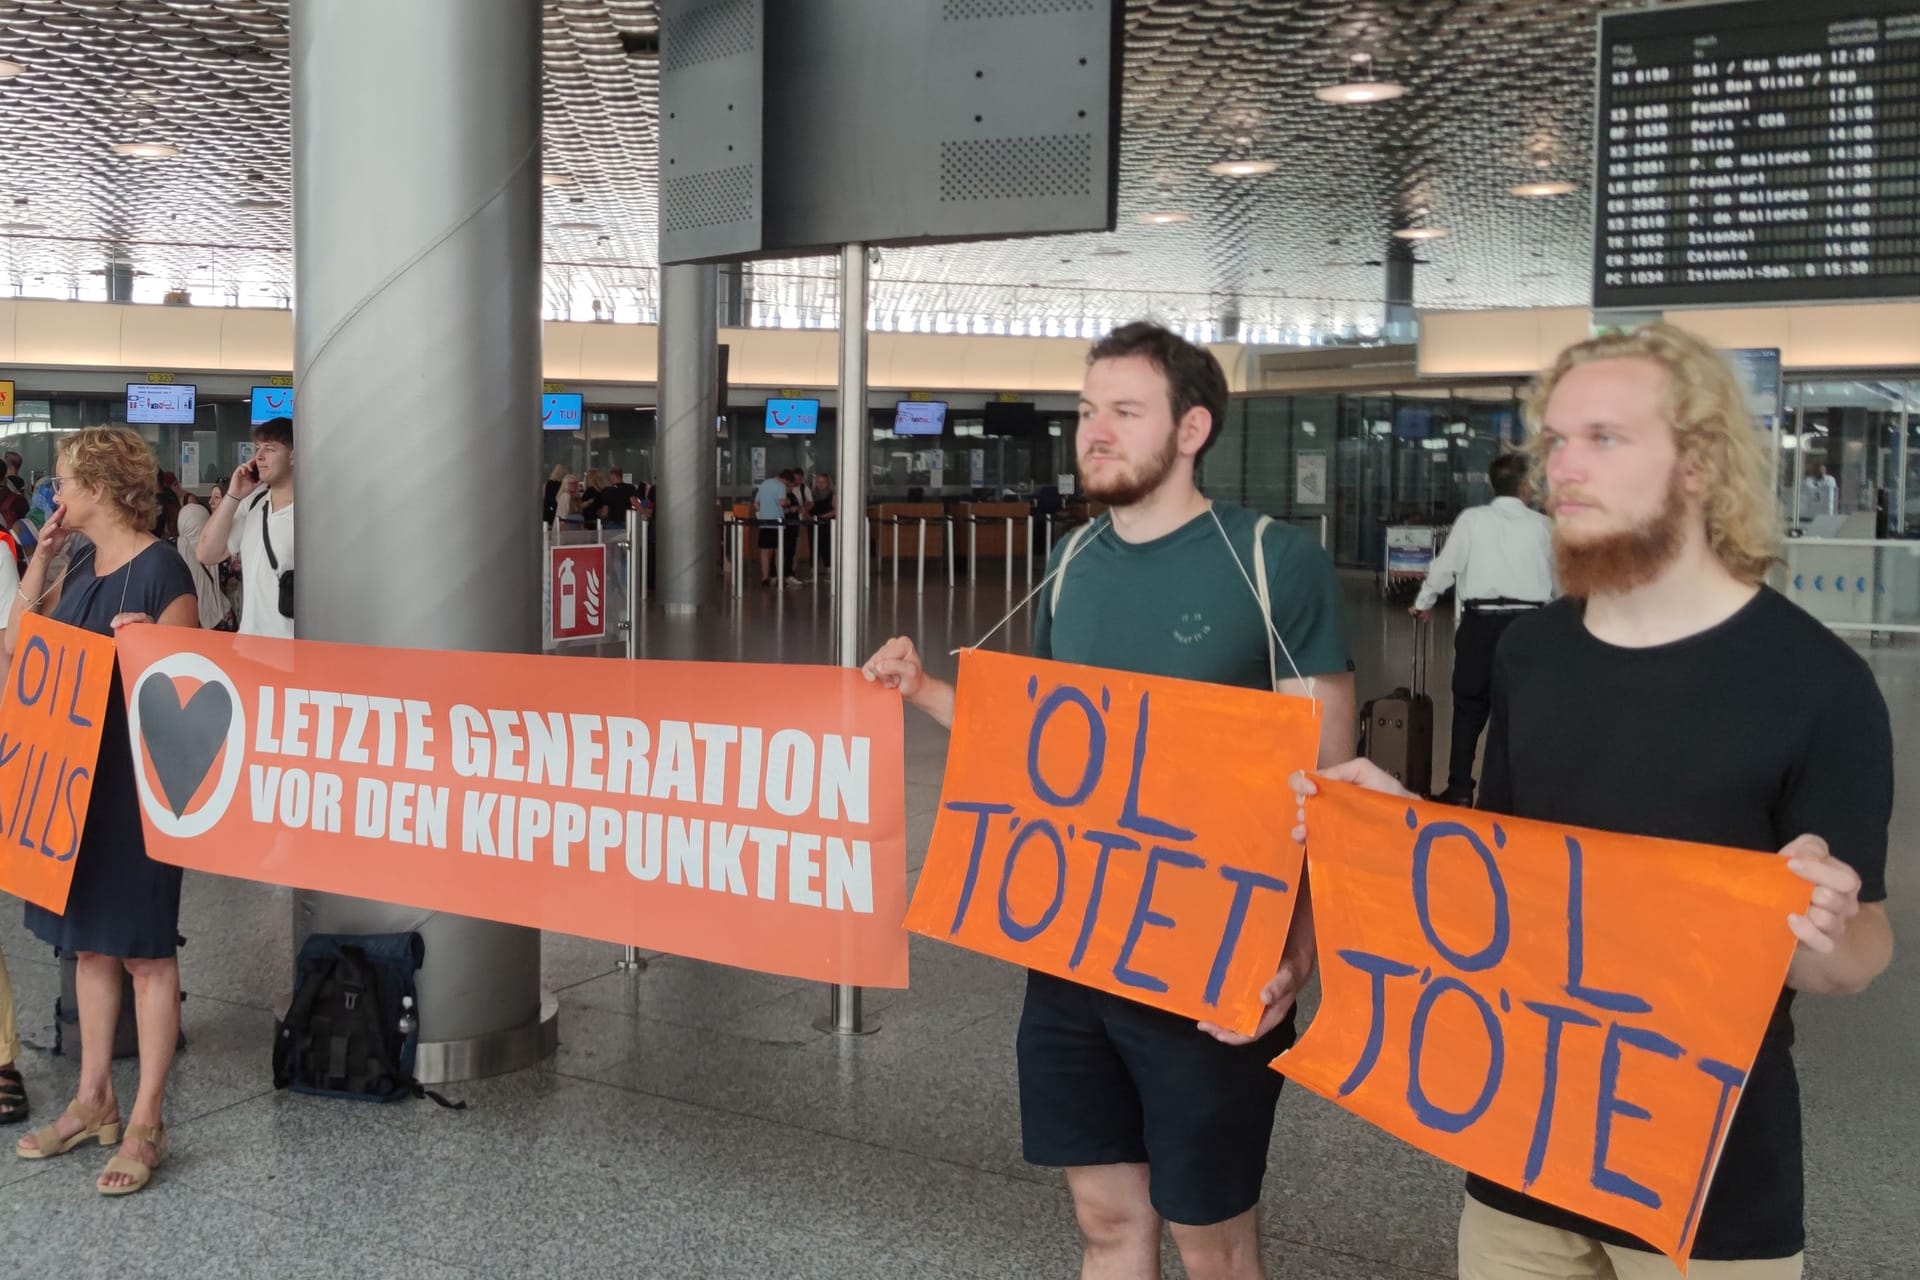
{"x":122,"y":903}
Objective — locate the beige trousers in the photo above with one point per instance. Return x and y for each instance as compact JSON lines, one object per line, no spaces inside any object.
{"x":1499,"y":1246}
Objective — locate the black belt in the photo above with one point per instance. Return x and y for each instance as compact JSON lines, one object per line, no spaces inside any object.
{"x":1500,"y":604}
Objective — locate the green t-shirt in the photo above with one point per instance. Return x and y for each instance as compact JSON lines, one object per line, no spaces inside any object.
{"x":1179,"y":606}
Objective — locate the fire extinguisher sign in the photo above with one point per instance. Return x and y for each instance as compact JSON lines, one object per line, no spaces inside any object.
{"x":577,"y":593}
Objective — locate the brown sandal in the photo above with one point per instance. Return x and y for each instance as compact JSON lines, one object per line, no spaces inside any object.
{"x":140,"y":1171}
{"x":102,"y":1126}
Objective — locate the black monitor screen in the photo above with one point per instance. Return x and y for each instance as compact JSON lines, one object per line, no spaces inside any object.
{"x":1760,"y":151}
{"x":1020,"y":419}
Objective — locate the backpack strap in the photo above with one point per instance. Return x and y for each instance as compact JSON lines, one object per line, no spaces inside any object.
{"x":376,"y":1032}
{"x":314,"y":975}
{"x":1265,"y":595}
{"x":1067,"y":553}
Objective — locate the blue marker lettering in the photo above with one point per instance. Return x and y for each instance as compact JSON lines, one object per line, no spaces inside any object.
{"x":36,"y":645}
{"x":1244,"y":883}
{"x":1598,"y":997}
{"x":1557,"y":1016}
{"x":73,"y":694}
{"x":1106,"y":842}
{"x":1730,"y":1078}
{"x":1066,"y":695}
{"x":1008,"y":925}
{"x":73,"y":818}
{"x":1144,"y":915}
{"x":983,"y":814}
{"x":1611,"y":1105}
{"x":1425,"y":1110}
{"x":1131,"y":819}
{"x":1496,"y":948}
{"x":1379,"y":968}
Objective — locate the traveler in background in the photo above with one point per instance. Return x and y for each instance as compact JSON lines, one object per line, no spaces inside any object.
{"x":1499,"y":561}
{"x":15,"y":480}
{"x":550,"y":495}
{"x":256,"y":524}
{"x":1820,"y":493}
{"x":770,"y":502}
{"x":215,"y":612}
{"x":617,"y":499}
{"x":822,"y":514}
{"x":588,"y":507}
{"x":1154,"y":1118}
{"x":124,"y":908}
{"x":1650,"y":701}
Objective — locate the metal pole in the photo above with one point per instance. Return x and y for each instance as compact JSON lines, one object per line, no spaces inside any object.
{"x":814,"y":558}
{"x":973,"y":550}
{"x":1323,"y":533}
{"x":895,"y":522}
{"x":780,"y":556}
{"x":1006,"y":553}
{"x":920,"y":565}
{"x":850,"y":555}
{"x":688,"y":466}
{"x":633,"y":596}
{"x":948,"y":547}
{"x":646,"y":555}
{"x":1049,"y":539}
{"x":1029,"y":549}
{"x":833,"y":578}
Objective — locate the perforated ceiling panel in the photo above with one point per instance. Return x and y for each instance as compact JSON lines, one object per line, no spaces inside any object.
{"x":1499,"y":92}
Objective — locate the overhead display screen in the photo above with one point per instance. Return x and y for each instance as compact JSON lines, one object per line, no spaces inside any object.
{"x":561,"y":410}
{"x":270,"y":403}
{"x":150,"y":403}
{"x":1758,"y":151}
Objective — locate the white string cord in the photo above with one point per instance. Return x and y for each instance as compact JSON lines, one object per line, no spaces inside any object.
{"x":1265,"y":616}
{"x":1065,"y":560}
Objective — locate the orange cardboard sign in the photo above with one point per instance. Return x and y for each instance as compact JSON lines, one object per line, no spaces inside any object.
{"x":750,"y":815}
{"x":1129,"y":832}
{"x":51,"y":712}
{"x":1565,"y":1012}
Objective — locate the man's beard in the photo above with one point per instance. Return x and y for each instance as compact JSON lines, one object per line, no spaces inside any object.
{"x":1615,"y":563}
{"x":1123,"y":487}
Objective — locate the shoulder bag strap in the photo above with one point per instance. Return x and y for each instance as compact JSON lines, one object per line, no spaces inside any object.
{"x":1265,"y":595}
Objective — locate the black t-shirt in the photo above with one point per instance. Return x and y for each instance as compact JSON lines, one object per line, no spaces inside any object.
{"x":614,"y":501}
{"x":1755,"y":731}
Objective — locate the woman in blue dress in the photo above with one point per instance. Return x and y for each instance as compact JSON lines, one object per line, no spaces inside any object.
{"x":124,"y":908}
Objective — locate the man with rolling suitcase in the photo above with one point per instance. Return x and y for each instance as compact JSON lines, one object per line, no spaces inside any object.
{"x":1499,"y":558}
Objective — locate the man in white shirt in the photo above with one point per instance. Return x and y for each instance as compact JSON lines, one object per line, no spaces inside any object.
{"x":1499,"y":558}
{"x":256,"y":524}
{"x":1820,"y":494}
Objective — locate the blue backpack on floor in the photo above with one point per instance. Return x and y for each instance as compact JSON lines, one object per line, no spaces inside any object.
{"x":353,"y":1026}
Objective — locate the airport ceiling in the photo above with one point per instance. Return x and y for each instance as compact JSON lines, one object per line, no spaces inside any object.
{"x":1498,"y":93}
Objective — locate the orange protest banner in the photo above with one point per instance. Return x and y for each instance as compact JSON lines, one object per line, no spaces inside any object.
{"x":750,"y":815}
{"x":51,"y":712}
{"x":1565,"y":1012}
{"x":1132,"y":833}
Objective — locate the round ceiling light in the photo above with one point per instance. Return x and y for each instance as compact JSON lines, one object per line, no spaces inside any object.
{"x":1359,"y":92}
{"x":1164,"y":219}
{"x":1543,"y":190}
{"x":1242,"y":168}
{"x":1419,"y":233}
{"x":8,"y":69}
{"x":146,"y":150}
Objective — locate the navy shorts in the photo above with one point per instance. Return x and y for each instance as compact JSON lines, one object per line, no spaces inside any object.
{"x":1105,"y":1080}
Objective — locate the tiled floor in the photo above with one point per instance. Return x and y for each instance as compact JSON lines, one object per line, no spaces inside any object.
{"x":694,"y":1124}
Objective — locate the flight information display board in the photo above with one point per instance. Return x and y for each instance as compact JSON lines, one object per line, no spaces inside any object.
{"x":1759,"y":151}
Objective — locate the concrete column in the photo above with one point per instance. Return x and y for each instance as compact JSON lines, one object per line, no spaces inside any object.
{"x":686,"y":519}
{"x":416,"y":149}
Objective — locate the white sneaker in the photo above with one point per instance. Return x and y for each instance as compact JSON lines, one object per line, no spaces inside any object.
{"x":795,"y":582}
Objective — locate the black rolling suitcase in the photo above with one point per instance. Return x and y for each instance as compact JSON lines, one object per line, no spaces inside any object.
{"x":1396,"y":729}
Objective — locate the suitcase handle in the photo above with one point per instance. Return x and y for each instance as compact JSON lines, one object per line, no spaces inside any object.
{"x":1422,"y":655}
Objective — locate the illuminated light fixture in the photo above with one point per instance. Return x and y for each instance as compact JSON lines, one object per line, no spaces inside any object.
{"x":21,"y":228}
{"x":256,"y":202}
{"x":1164,"y":219}
{"x":146,"y":150}
{"x":553,"y":179}
{"x":575,"y":226}
{"x":1419,"y":233}
{"x":1361,"y":87}
{"x":8,"y":70}
{"x":1543,"y":190}
{"x":1242,"y":168}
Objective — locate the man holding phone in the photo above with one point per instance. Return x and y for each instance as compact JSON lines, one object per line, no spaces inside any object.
{"x":256,"y":524}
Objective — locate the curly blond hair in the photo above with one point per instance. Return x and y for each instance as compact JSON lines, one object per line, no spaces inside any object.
{"x":116,"y":464}
{"x":1712,"y":429}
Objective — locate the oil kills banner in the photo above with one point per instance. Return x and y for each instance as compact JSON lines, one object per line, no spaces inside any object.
{"x":1565,"y":1012}
{"x":1129,"y":832}
{"x":51,"y":712}
{"x":697,"y":808}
